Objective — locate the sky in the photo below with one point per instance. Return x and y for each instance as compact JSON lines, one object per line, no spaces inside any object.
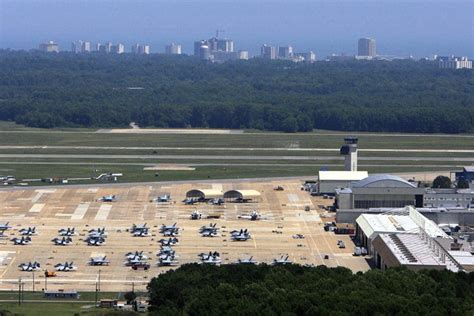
{"x":402,"y":28}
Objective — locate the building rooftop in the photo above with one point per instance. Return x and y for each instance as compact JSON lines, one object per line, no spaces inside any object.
{"x":370,"y":181}
{"x":409,"y":249}
{"x":406,"y":220}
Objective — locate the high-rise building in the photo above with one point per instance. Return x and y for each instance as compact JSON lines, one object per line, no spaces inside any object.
{"x":307,"y":57}
{"x":285,"y":52}
{"x":119,"y":48}
{"x":197,"y":47}
{"x":108,"y":47}
{"x":86,"y":47}
{"x":49,"y":47}
{"x":366,"y":47}
{"x":204,"y":52}
{"x":452,"y":62}
{"x":144,"y":49}
{"x":135,"y":48}
{"x":225,"y":45}
{"x":243,"y":54}
{"x":268,"y":52}
{"x":76,"y":47}
{"x":173,"y":49}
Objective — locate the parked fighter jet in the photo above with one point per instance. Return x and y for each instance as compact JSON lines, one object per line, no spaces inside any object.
{"x":253,"y":216}
{"x":5,"y":226}
{"x":169,"y":242}
{"x":169,"y":230}
{"x":209,"y":231}
{"x":140,"y":230}
{"x":163,"y":198}
{"x":30,"y":231}
{"x":190,"y":201}
{"x":282,"y":261}
{"x":64,"y":241}
{"x":67,"y":231}
{"x":216,"y":201}
{"x":7,"y":180}
{"x":30,"y":266}
{"x":168,"y":261}
{"x":163,"y":254}
{"x":246,"y":261}
{"x":135,"y":255}
{"x":211,"y":258}
{"x":195,"y":215}
{"x":98,"y":233}
{"x":66,"y":267}
{"x":21,"y":241}
{"x":242,"y":235}
{"x":99,"y":261}
{"x":95,"y":241}
{"x":108,"y":198}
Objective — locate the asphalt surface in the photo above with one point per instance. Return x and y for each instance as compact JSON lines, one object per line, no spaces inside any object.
{"x":228,"y":157}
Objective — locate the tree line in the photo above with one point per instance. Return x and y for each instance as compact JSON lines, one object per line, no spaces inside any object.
{"x":98,"y":90}
{"x":297,"y":290}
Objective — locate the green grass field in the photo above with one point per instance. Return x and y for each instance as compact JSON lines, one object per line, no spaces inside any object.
{"x":245,"y":155}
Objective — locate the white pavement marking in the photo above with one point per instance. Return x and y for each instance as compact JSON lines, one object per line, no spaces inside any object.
{"x":293,"y":197}
{"x":36,"y":208}
{"x":80,"y":211}
{"x":103,"y":212}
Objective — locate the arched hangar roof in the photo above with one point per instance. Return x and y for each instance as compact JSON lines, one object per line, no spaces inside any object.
{"x":204,"y":193}
{"x":243,"y":194}
{"x":383,"y":180}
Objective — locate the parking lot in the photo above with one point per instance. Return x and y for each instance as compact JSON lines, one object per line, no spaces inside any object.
{"x":52,"y":208}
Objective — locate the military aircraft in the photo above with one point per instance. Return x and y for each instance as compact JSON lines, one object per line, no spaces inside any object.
{"x":162,"y":198}
{"x":95,"y":241}
{"x":163,"y":254}
{"x":209,"y":227}
{"x":195,"y":215}
{"x":135,"y":255}
{"x":210,"y":233}
{"x":5,"y":226}
{"x":246,"y":261}
{"x":99,"y":261}
{"x":98,"y":233}
{"x":168,"y":261}
{"x":282,"y":261}
{"x":21,"y":241}
{"x":7,"y":180}
{"x":191,"y":201}
{"x":30,"y":266}
{"x":242,"y":235}
{"x":65,"y":267}
{"x":64,"y":241}
{"x":169,"y":230}
{"x":67,"y":231}
{"x":253,"y":216}
{"x":30,"y":231}
{"x":140,"y":230}
{"x":135,"y":261}
{"x":216,"y":201}
{"x":211,"y":258}
{"x":107,"y":198}
{"x":169,"y":242}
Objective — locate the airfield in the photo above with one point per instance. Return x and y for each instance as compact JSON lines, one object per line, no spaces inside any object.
{"x":54,"y":207}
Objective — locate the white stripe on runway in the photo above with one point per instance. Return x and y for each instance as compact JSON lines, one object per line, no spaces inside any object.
{"x":103,"y":212}
{"x":80,"y":211}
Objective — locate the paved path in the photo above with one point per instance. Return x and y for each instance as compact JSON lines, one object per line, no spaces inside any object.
{"x":240,"y":149}
{"x":228,"y":157}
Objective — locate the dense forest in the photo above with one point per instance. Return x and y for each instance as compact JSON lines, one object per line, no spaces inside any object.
{"x":297,"y":290}
{"x":95,"y":90}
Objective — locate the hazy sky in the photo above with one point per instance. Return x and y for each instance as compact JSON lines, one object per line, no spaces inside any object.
{"x":417,"y":27}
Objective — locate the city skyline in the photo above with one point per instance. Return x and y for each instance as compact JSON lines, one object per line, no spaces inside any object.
{"x":428,"y":26}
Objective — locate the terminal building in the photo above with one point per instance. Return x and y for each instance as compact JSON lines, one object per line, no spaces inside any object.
{"x":405,"y":237}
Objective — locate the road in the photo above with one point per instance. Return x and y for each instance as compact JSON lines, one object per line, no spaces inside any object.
{"x":240,"y":149}
{"x":228,"y":157}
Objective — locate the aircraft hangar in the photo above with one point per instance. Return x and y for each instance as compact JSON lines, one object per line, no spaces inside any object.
{"x":204,"y":193}
{"x":247,"y":195}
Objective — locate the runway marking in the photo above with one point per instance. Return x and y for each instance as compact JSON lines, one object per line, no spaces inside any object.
{"x":36,"y":208}
{"x":293,"y":197}
{"x":80,"y":211}
{"x":103,"y":212}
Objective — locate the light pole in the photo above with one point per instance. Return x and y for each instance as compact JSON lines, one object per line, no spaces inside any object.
{"x":19,"y":291}
{"x":33,"y":281}
{"x":99,"y":279}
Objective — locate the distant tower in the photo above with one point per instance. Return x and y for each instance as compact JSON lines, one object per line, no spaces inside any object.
{"x":349,"y":151}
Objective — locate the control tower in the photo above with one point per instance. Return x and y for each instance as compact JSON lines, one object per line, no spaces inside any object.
{"x":349,"y":151}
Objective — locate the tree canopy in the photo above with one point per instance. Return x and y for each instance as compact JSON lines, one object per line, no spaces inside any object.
{"x":442,"y":182}
{"x":297,"y":290}
{"x":100,"y":90}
